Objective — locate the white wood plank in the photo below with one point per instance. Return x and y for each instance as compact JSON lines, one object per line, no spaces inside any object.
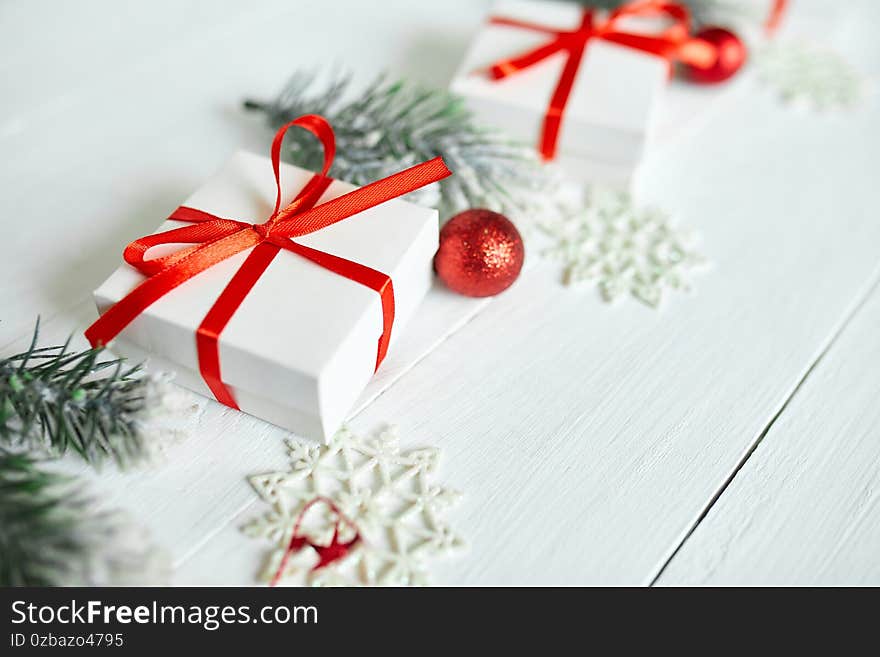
{"x":587,"y":439}
{"x":805,"y":508}
{"x":164,"y":495}
{"x":99,"y":148}
{"x":113,"y":113}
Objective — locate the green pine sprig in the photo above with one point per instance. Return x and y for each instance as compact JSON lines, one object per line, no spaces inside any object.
{"x":42,"y":519}
{"x":54,"y":400}
{"x":391,"y":125}
{"x":52,"y":535}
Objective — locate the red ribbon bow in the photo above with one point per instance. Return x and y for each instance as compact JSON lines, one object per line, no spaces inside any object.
{"x":672,"y":43}
{"x":215,"y":239}
{"x":327,"y":554}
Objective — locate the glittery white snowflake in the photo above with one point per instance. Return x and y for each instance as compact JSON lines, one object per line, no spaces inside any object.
{"x":622,"y":247}
{"x":385,"y":492}
{"x":805,"y":74}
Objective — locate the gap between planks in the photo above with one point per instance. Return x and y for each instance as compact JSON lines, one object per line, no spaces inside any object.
{"x":860,"y":301}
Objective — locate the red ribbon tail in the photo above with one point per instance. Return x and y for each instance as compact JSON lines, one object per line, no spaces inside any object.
{"x":296,"y":544}
{"x":371,"y":278}
{"x":525,"y":25}
{"x":121,"y":314}
{"x":208,"y":333}
{"x":508,"y":67}
{"x":553,"y":117}
{"x":777,"y":11}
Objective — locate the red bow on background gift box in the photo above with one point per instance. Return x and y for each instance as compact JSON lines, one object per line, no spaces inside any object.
{"x":217,"y":239}
{"x":774,"y":18}
{"x":673,"y":43}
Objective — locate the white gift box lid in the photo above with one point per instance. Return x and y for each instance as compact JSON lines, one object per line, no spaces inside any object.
{"x":304,"y":337}
{"x":608,"y":114}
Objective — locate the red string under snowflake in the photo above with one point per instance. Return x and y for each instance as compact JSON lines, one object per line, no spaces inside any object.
{"x":327,"y":554}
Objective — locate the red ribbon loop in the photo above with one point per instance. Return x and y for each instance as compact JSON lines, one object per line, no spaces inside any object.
{"x":673,"y":43}
{"x":215,"y":239}
{"x":327,"y":554}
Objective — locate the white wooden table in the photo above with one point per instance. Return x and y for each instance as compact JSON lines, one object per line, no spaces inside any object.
{"x":731,"y":437}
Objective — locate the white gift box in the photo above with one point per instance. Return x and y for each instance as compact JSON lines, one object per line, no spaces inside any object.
{"x":608,"y":116}
{"x":302,"y":345}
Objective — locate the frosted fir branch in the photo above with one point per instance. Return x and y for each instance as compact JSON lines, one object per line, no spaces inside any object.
{"x":52,"y":535}
{"x":391,"y":125}
{"x":54,"y":400}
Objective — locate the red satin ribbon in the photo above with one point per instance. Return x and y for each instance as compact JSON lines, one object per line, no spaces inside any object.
{"x":672,"y":43}
{"x":327,"y":554}
{"x":215,"y":239}
{"x":775,"y":16}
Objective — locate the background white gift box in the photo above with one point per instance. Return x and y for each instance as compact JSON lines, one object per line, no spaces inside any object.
{"x":608,"y":115}
{"x":302,"y":345}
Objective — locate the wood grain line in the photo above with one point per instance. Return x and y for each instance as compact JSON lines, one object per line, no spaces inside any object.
{"x":861,"y":300}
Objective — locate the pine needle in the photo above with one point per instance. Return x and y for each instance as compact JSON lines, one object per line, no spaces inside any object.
{"x":51,"y":535}
{"x":53,"y":401}
{"x":389,"y":126}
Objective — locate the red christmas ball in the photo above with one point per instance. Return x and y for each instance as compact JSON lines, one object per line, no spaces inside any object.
{"x":481,"y":253}
{"x":731,"y":56}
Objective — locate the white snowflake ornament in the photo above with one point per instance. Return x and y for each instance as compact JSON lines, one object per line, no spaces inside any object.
{"x":387,"y":495}
{"x":807,"y":75}
{"x":623,"y":248}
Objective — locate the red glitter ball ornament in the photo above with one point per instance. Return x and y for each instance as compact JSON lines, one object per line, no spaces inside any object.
{"x":731,"y":56}
{"x":481,"y":253}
